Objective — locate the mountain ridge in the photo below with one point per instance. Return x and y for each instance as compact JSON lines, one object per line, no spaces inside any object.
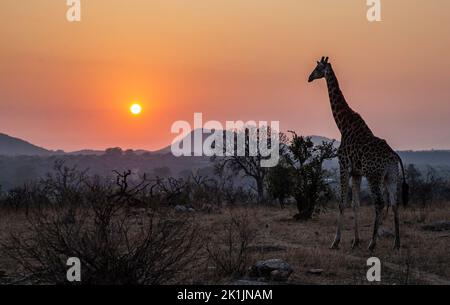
{"x":11,"y":146}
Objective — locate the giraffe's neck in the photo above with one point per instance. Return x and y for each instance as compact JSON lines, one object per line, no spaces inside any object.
{"x":343,"y":114}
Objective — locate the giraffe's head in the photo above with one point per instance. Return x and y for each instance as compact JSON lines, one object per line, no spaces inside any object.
{"x":320,"y":70}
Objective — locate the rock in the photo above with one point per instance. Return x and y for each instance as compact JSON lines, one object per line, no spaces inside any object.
{"x":180,"y":208}
{"x":385,"y":233}
{"x":315,"y":271}
{"x":261,"y":279}
{"x":183,"y":209}
{"x":280,"y":275}
{"x":272,"y":269}
{"x":437,"y":226}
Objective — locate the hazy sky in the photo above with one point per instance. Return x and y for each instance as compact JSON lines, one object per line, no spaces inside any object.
{"x":69,"y":85}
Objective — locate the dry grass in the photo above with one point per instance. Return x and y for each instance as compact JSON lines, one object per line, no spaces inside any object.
{"x":305,"y":246}
{"x":423,"y":259}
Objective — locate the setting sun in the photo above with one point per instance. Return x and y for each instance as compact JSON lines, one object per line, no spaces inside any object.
{"x":135,"y":109}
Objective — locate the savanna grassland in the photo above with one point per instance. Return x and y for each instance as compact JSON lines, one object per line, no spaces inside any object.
{"x":228,"y":240}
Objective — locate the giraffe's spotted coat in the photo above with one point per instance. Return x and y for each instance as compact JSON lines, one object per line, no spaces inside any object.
{"x":361,"y":154}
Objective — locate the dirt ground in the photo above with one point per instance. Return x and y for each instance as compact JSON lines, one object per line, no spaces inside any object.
{"x":424,"y":257}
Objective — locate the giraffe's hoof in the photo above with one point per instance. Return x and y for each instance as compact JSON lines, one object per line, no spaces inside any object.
{"x":397,"y":245}
{"x":335,"y":245}
{"x":372,"y":246}
{"x":355,"y":243}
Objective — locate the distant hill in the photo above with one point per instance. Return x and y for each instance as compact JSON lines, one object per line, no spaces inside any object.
{"x":86,"y":152}
{"x":16,"y":170}
{"x":10,"y":146}
{"x":206,"y":133}
{"x":426,"y":157}
{"x":317,"y":140}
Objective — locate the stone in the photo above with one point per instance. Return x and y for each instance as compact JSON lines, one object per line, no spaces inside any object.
{"x":180,"y":208}
{"x":272,"y":269}
{"x":315,"y":271}
{"x":385,"y":233}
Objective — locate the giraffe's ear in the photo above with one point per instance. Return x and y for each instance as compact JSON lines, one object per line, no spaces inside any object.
{"x":318,"y":62}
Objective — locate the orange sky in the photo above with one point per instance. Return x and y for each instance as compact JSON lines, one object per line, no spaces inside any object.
{"x":69,"y":85}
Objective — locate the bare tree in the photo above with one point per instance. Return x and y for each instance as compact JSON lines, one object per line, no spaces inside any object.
{"x":246,"y":161}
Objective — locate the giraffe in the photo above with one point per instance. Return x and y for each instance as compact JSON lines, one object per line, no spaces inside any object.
{"x":361,"y":154}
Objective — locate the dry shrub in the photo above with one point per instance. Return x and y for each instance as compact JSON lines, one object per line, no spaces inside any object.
{"x":228,"y":246}
{"x":113,"y":246}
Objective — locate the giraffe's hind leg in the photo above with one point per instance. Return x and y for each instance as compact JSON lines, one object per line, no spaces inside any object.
{"x":392,"y":187}
{"x":356,"y":187}
{"x":397,"y":227}
{"x":376,"y":186}
{"x":386,"y":199}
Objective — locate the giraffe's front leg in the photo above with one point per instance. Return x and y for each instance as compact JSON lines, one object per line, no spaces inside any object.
{"x":344,"y":194}
{"x":356,"y":187}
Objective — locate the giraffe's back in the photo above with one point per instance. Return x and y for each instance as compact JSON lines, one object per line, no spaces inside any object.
{"x":367,"y":155}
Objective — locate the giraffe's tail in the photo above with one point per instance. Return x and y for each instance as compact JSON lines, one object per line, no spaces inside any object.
{"x":405,"y":186}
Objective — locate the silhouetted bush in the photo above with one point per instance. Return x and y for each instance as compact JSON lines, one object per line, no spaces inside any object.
{"x":300,"y":174}
{"x":427,"y":187}
{"x":113,"y":245}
